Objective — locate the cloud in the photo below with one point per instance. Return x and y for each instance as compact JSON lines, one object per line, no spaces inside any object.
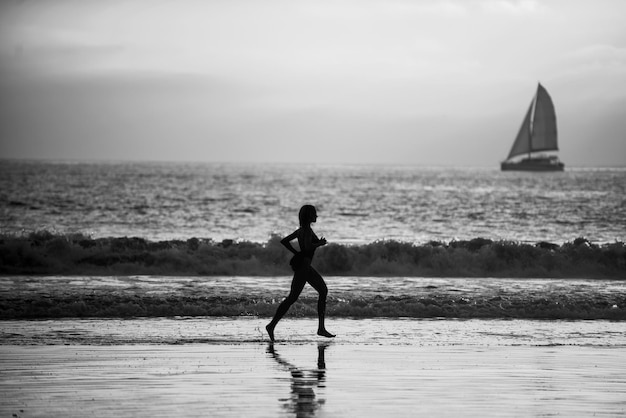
{"x":240,"y":72}
{"x":512,"y":7}
{"x":599,"y":56}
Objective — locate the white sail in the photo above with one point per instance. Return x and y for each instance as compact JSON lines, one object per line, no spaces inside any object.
{"x":538,"y":133}
{"x":544,"y":123}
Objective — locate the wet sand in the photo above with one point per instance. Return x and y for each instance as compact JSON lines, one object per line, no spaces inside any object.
{"x":470,"y":369}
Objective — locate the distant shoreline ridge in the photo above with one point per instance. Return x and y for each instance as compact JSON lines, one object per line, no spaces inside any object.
{"x":51,"y":253}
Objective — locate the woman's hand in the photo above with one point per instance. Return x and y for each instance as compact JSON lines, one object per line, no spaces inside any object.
{"x":321,"y":242}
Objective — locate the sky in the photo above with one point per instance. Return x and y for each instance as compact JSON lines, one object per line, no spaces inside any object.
{"x":415,"y":82}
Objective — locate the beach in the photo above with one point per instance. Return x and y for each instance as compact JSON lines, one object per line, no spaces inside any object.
{"x":79,"y":346}
{"x":374,"y":367}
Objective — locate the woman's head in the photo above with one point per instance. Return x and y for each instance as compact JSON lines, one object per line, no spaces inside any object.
{"x":307,"y":215}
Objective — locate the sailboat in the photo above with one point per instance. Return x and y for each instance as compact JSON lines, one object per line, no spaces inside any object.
{"x":537,"y":134}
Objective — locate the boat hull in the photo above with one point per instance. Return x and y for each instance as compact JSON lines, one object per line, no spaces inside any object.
{"x":533,"y":164}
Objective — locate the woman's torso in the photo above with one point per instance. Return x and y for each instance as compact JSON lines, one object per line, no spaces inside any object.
{"x":306,"y":238}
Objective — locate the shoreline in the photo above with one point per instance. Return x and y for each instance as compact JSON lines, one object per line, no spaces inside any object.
{"x":413,"y":332}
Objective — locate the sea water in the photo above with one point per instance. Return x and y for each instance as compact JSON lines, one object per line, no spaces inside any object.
{"x":356,"y":203}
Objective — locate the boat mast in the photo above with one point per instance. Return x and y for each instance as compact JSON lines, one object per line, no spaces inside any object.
{"x":530,"y":127}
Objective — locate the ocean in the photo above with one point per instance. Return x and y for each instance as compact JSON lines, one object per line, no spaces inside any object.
{"x":356,"y":204}
{"x":489,"y":329}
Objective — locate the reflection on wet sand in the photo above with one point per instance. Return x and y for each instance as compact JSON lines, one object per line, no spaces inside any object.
{"x":304,"y":402}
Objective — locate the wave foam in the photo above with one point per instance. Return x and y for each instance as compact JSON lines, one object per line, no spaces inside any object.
{"x":47,"y":253}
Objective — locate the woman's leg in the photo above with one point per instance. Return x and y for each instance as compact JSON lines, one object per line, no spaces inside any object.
{"x":297,"y":284}
{"x":315,"y":280}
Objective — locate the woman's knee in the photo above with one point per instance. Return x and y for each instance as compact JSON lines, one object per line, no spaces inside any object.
{"x":291,"y":299}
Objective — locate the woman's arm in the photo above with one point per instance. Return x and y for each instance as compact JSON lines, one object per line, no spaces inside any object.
{"x":287,"y":241}
{"x":310,"y":241}
{"x":322,"y":242}
{"x":317,"y":242}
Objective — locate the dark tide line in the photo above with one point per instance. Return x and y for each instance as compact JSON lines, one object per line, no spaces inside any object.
{"x":133,"y":297}
{"x":389,"y":307}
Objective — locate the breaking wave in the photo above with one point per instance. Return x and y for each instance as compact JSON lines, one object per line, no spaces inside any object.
{"x":48,"y":253}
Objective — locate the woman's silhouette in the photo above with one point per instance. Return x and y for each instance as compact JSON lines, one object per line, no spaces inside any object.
{"x":303,"y":271}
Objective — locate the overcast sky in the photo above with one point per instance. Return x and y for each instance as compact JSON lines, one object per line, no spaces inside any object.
{"x":332,"y":81}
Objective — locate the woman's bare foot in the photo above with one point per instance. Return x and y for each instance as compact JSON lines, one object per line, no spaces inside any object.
{"x":270,"y":330}
{"x":324,"y":333}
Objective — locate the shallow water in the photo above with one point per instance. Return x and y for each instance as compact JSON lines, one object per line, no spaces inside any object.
{"x":267,"y":286}
{"x":375,"y":367}
{"x":363,"y":297}
{"x":372,"y":331}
